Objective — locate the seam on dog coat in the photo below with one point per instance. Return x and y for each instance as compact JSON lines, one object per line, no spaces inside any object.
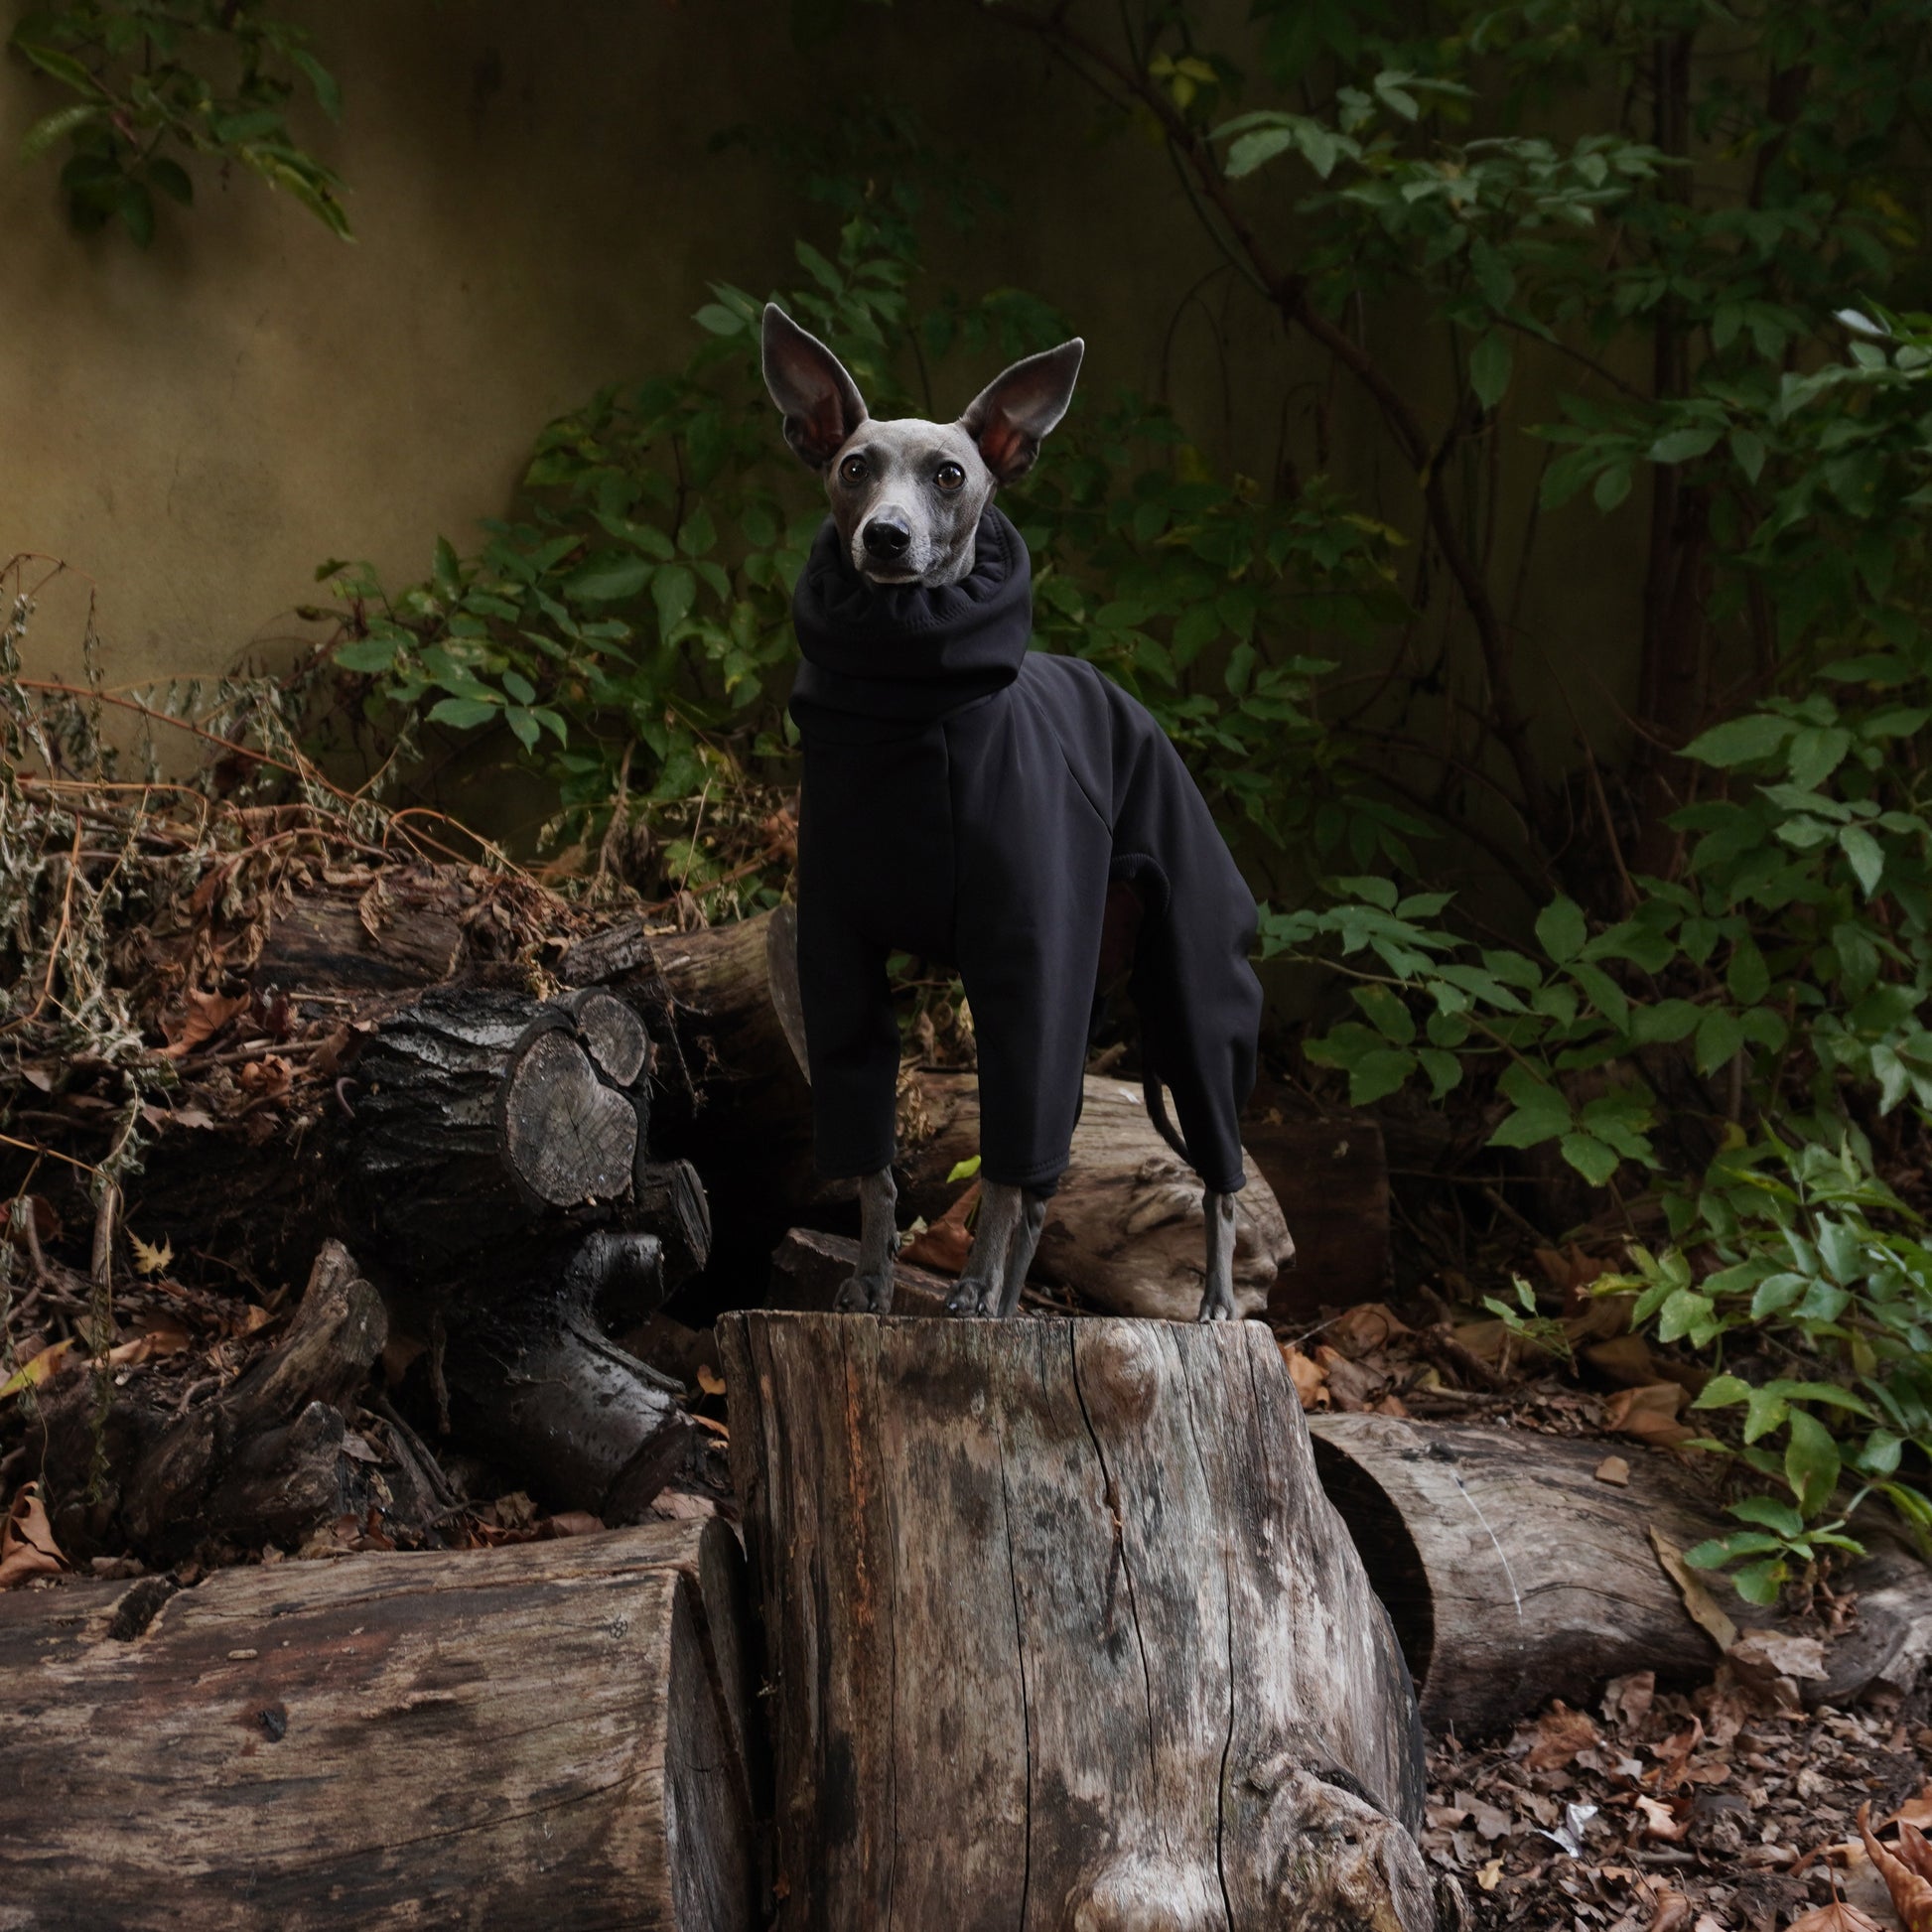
{"x":968,"y":800}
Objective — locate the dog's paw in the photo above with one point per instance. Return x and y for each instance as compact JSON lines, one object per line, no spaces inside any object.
{"x":973,"y":1298}
{"x":1218,"y":1306}
{"x":865,"y":1294}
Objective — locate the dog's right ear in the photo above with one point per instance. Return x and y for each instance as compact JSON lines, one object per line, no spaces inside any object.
{"x":822,"y":405}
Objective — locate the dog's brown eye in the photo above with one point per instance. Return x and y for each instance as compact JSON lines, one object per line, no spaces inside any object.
{"x":852,"y":470}
{"x":950,"y":475}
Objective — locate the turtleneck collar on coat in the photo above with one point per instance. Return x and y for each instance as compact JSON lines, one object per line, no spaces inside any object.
{"x":904,"y":652}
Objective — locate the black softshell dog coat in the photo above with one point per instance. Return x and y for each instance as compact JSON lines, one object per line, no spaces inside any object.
{"x":968,"y":802}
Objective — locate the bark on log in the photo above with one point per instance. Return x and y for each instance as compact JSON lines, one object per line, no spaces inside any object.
{"x":538,"y":1737}
{"x":809,"y":1268}
{"x":260,"y":1463}
{"x":1513,"y":1575}
{"x":483,"y":1132}
{"x":1125,"y":1230}
{"x":1063,"y":1633}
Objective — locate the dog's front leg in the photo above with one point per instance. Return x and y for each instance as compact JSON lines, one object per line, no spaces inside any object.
{"x":1003,"y":1239}
{"x":1217,"y":1291}
{"x":869,"y":1289}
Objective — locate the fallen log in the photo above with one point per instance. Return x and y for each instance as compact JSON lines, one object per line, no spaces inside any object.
{"x":809,"y":1269}
{"x":1514,"y":1576}
{"x":546,"y":1735}
{"x":262,"y":1461}
{"x":1063,"y":1633}
{"x":1125,"y":1230}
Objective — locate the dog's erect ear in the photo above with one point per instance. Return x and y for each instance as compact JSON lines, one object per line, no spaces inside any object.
{"x":1011,"y":417}
{"x":822,"y":405}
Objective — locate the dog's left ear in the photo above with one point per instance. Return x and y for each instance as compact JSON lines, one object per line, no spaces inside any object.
{"x":1013,"y":415}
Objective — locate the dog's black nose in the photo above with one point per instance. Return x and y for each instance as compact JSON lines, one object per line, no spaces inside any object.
{"x":886,"y":536}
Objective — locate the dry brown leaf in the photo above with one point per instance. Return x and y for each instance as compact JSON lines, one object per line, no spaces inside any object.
{"x":1311,"y":1385}
{"x":1911,"y":1892}
{"x":204,"y":1016}
{"x":1760,"y":1656}
{"x":149,"y":1260}
{"x":1703,"y":1608}
{"x":1559,"y":1735}
{"x":1367,"y":1328}
{"x":268,"y":1078}
{"x":1837,"y":1916}
{"x":1627,"y":1699}
{"x":1914,"y":1811}
{"x":38,"y":1369}
{"x":1914,"y":1850}
{"x":1649,"y":1414}
{"x":1675,"y":1755}
{"x":1660,"y":1822}
{"x":27,"y":1545}
{"x":945,"y":1244}
{"x":1672,"y":1912}
{"x":1615,"y":1470}
{"x":1490,"y":1876}
{"x":709,"y":1380}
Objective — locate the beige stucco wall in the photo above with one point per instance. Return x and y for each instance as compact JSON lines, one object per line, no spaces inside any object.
{"x":194,"y":427}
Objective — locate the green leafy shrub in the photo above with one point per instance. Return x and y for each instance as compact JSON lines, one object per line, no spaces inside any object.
{"x":156,"y":80}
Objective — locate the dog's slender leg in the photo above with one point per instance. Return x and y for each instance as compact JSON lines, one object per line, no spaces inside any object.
{"x":869,"y":1291}
{"x":1019,"y":1256}
{"x":982,"y":1289}
{"x":1217,"y":1291}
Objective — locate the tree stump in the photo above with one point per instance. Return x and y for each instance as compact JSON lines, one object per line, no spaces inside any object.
{"x":545,"y":1736}
{"x":1063,"y":1634}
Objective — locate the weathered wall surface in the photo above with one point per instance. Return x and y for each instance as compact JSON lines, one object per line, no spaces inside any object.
{"x":194,"y":427}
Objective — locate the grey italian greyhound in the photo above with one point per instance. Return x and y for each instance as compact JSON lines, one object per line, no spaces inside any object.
{"x":907,"y":501}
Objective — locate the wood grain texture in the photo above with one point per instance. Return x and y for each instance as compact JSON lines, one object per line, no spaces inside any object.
{"x":1512,"y":1573}
{"x":523,"y":1737}
{"x":809,"y":1268}
{"x":1063,"y":1634}
{"x":1125,"y":1230}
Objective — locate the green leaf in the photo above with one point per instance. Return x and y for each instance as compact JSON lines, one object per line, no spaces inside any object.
{"x":1740,"y":741}
{"x":56,"y":127}
{"x":328,"y":95}
{"x":1770,"y":1514}
{"x":1560,"y":931}
{"x":608,"y":577}
{"x":1723,"y":1392}
{"x":1250,"y":151}
{"x":720,"y":319}
{"x":1589,"y":1157}
{"x":366,"y":654}
{"x":1811,"y":1462}
{"x":1748,"y":447}
{"x":1489,"y":367}
{"x":62,"y":67}
{"x":463,"y":713}
{"x":963,"y":1169}
{"x":1866,"y":854}
{"x":1760,"y":1582}
{"x":673,"y":589}
{"x":1680,"y":445}
{"x":1719,"y":1038}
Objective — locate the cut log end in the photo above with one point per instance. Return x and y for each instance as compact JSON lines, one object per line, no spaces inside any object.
{"x":569,"y":1138}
